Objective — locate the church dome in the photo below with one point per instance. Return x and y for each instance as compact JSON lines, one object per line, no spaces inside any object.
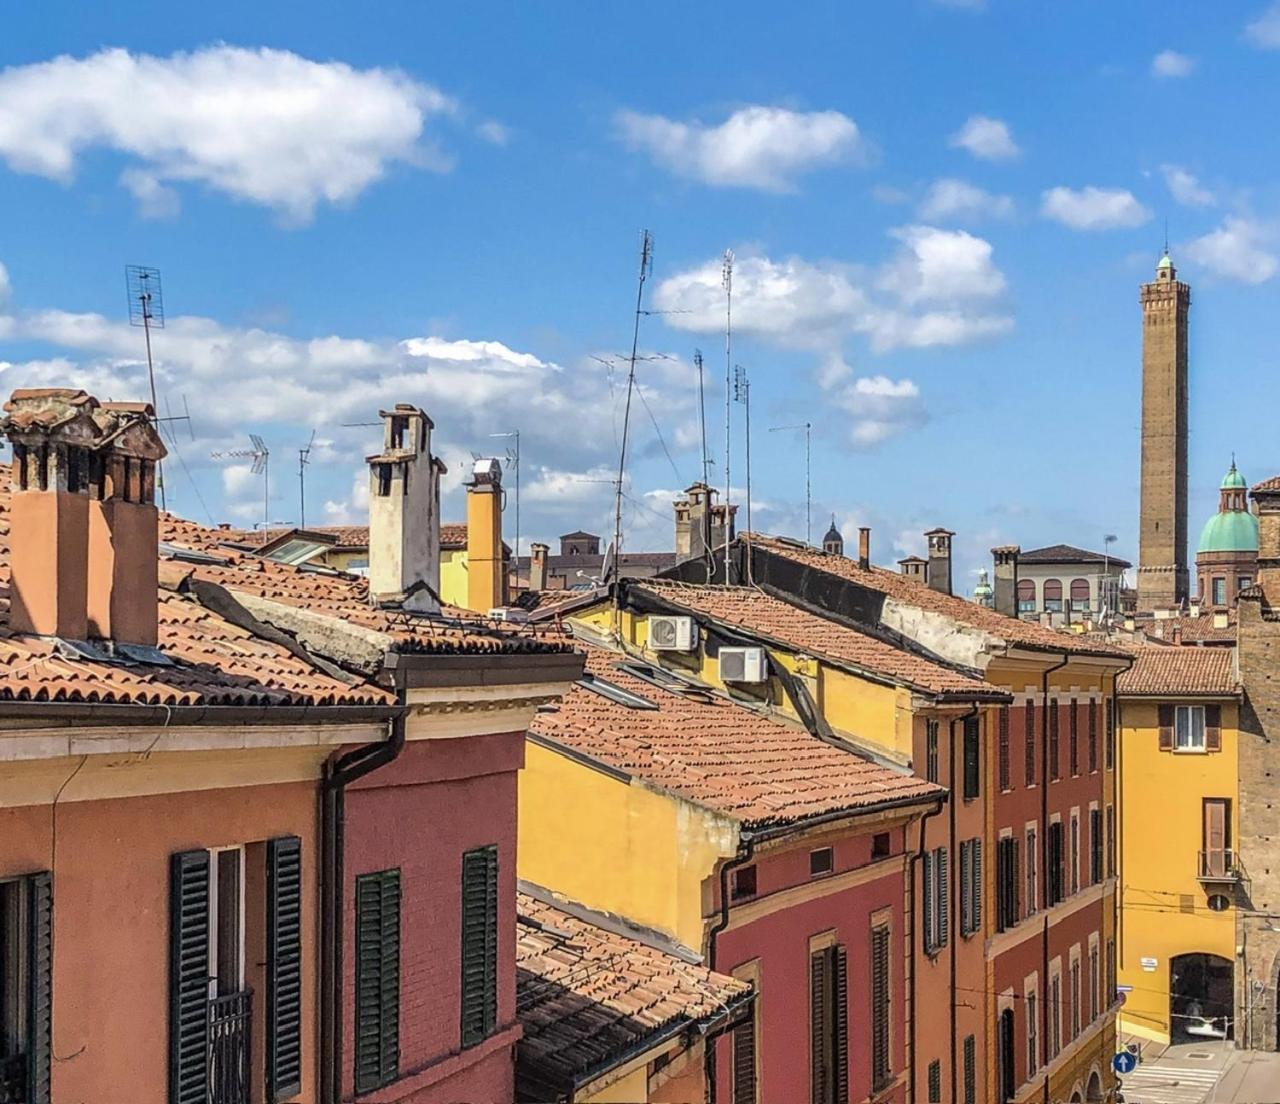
{"x":1230,"y":531}
{"x":1233,"y":480}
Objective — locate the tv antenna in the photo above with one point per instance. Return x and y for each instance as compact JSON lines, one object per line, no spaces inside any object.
{"x":304,"y":458}
{"x":146,"y":309}
{"x":808,"y":498}
{"x":742,"y":394}
{"x":513,"y":461}
{"x":702,"y":418}
{"x":726,"y":280}
{"x":259,"y":456}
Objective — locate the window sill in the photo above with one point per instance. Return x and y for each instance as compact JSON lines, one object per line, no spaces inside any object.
{"x":1190,"y":751}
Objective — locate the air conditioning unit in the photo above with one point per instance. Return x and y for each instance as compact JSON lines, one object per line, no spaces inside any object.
{"x":672,"y":634}
{"x":512,"y":614}
{"x":743,"y":665}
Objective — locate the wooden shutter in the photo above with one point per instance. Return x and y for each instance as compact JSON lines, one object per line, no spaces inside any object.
{"x":818,"y":1026}
{"x":1074,"y":723}
{"x":1213,"y":727}
{"x":1029,"y":765}
{"x":944,"y":899}
{"x":975,"y":909}
{"x":1093,"y":735}
{"x":966,"y":894}
{"x":1015,"y":882}
{"x":744,"y":1061}
{"x":1055,"y":766}
{"x":1166,"y":727}
{"x":377,"y":1027}
{"x":926,"y":902}
{"x":1110,"y":749}
{"x":840,"y":1026}
{"x":188,"y":977}
{"x":40,"y":988}
{"x":972,"y":764}
{"x":284,"y":968}
{"x":970,"y":1070}
{"x":879,"y":1006}
{"x":935,"y":1082}
{"x":1005,"y":780}
{"x":479,"y":944}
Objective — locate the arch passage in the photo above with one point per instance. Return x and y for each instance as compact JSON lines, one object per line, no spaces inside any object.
{"x":1201,"y":991}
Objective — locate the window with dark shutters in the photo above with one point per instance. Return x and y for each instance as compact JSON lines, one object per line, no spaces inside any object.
{"x":1003,"y":758}
{"x":931,"y":751}
{"x":1213,"y":728}
{"x":840,"y":1025}
{"x":881,"y":1073}
{"x":970,"y":886}
{"x":935,"y":1082}
{"x":26,"y":991}
{"x":1006,"y":883}
{"x":943,"y":911}
{"x":927,"y":907}
{"x":1054,"y":872}
{"x":188,"y":977}
{"x":1029,"y":733}
{"x":1074,"y":726}
{"x":284,"y":967}
{"x":744,"y":1061}
{"x":1111,"y":841}
{"x":377,"y":1026}
{"x":829,"y":1027}
{"x":1093,"y":736}
{"x":1109,"y":741}
{"x":819,"y":1029}
{"x":1095,"y":846}
{"x":970,"y":1070}
{"x":1165,"y":718}
{"x":1055,"y":766}
{"x":972,"y":759}
{"x":966,"y":874}
{"x":976,"y":888}
{"x":479,"y":944}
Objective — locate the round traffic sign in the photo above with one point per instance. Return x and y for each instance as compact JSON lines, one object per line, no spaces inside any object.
{"x":1124,"y":1062}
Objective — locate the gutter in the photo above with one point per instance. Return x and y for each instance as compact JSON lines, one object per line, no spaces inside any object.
{"x":746,"y":852}
{"x":955,"y":886}
{"x":112,"y":713}
{"x":338,"y":774}
{"x":1044,"y":855}
{"x":911,"y":958}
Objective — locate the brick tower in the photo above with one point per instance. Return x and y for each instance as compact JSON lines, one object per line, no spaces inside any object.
{"x":1162,"y":549}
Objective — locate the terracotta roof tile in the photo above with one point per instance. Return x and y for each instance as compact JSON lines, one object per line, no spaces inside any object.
{"x":1194,"y":630}
{"x":1160,"y":669}
{"x":589,"y":993}
{"x":1272,"y":484}
{"x":453,"y":534}
{"x":714,"y":752}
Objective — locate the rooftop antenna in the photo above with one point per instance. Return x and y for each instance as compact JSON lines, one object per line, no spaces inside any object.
{"x":304,"y":458}
{"x":146,"y":309}
{"x":702,"y":418}
{"x":808,"y":471}
{"x":742,"y":394}
{"x":513,"y":461}
{"x":646,"y":264}
{"x":726,"y":279}
{"x":259,"y":456}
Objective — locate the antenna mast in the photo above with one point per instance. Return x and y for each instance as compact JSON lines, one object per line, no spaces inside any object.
{"x":808,"y":471}
{"x":726,"y":278}
{"x":513,"y":458}
{"x":260,"y":455}
{"x":742,"y":394}
{"x":702,"y":418}
{"x":146,"y":309}
{"x":304,"y":458}
{"x":646,"y":262}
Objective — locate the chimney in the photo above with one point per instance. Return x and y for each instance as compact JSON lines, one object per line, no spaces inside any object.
{"x":938,"y":575}
{"x":1177,"y":634}
{"x":485,"y":590}
{"x":1221,"y":619}
{"x":1006,"y":579}
{"x":1266,"y":501}
{"x":124,"y":526}
{"x":913,"y":568}
{"x":864,"y":548}
{"x":404,"y":513}
{"x":538,"y":566}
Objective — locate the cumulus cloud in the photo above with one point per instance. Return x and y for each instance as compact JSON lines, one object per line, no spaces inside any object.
{"x":1170,"y":64}
{"x":1241,"y":249}
{"x":950,"y":199}
{"x":880,"y":407}
{"x":263,"y":126}
{"x":1264,"y":31}
{"x":941,"y":266}
{"x":986,"y":138}
{"x":1093,"y":208}
{"x":4,"y":287}
{"x":756,"y":147}
{"x":1185,"y":188}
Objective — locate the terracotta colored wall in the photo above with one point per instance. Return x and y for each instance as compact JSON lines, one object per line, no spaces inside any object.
{"x":111,"y":923}
{"x":439,"y":799}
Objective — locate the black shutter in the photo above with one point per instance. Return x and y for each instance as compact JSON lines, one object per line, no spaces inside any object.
{"x":840,"y":1026}
{"x":966,"y":896}
{"x":479,"y":944}
{"x":1015,"y":882}
{"x":879,"y":1007}
{"x":1055,"y":766}
{"x":1093,"y":735}
{"x":40,"y":988}
{"x":377,"y":1052}
{"x":1029,"y":766}
{"x":927,"y":903}
{"x":944,"y":899}
{"x":744,"y":1061}
{"x":1075,"y":737}
{"x":188,"y":977}
{"x":1164,"y":716}
{"x":970,"y":1070}
{"x":1005,"y":780}
{"x":972,"y":764}
{"x":818,"y":1027}
{"x":935,"y":1082}
{"x":284,"y":967}
{"x":975,"y":875}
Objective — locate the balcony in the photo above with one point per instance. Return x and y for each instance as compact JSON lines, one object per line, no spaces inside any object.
{"x":229,"y":1023}
{"x":1220,"y":866}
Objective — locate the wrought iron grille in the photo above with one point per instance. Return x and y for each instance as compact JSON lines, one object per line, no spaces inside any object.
{"x":229,"y":1023}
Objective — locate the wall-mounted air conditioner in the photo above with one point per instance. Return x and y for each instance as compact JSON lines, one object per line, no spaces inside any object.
{"x":672,"y":634}
{"x":743,"y":665}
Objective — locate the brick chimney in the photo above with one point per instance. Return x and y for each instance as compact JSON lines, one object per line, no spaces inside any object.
{"x":538,"y":565}
{"x":938,"y":575}
{"x":864,"y":548}
{"x":700,"y":522}
{"x":1266,"y":502}
{"x":124,"y":526}
{"x":1006,"y":579}
{"x":404,"y":513}
{"x":485,"y":589}
{"x":913,"y":568}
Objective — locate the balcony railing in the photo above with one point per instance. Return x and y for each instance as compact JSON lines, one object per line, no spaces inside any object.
{"x":229,"y":1023}
{"x":13,"y":1079}
{"x":1220,"y":865}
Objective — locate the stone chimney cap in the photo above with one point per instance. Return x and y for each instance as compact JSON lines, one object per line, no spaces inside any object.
{"x":1006,"y":550}
{"x":940,"y":531}
{"x":46,"y":408}
{"x":402,"y":409}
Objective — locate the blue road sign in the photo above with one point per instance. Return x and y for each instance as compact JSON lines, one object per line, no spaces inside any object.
{"x":1124,"y":1062}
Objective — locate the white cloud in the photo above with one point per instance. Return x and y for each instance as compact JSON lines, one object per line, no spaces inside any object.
{"x":494,"y":132}
{"x":1185,"y":188}
{"x":236,"y":478}
{"x":986,"y":138}
{"x":1240,"y":249}
{"x":1093,"y":208}
{"x":1170,"y":63}
{"x":941,"y":266}
{"x":265,"y":126}
{"x":949,"y":199}
{"x":881,"y":407}
{"x":354,"y":509}
{"x":5,"y":287}
{"x":1264,"y":31}
{"x":756,"y":147}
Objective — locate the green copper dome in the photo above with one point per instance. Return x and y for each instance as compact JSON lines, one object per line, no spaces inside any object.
{"x":1233,"y":480}
{"x":1165,"y":262}
{"x":1230,"y":531}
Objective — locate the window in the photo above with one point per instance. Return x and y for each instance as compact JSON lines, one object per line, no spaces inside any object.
{"x":744,"y":882}
{"x":1052,"y":595}
{"x":881,"y":845}
{"x":934,"y":900}
{"x":1074,"y":738}
{"x":1075,"y":998}
{"x":26,"y":934}
{"x":1029,"y":733}
{"x":935,"y":1082}
{"x":1055,"y":1016}
{"x":744,"y":1059}
{"x":1110,"y":750}
{"x":1033,"y":859}
{"x":1026,"y":596}
{"x":1217,"y":859}
{"x":1094,"y":984}
{"x":1244,"y":582}
{"x":829,"y":1025}
{"x":1033,"y":1034}
{"x":972,"y":759}
{"x":1111,"y":972}
{"x":226,"y":921}
{"x":1055,"y":863}
{"x":821,"y":861}
{"x":479,"y":944}
{"x":970,"y":886}
{"x":881,"y":995}
{"x":1080,"y":595}
{"x":377,"y":1017}
{"x":1189,"y":728}
{"x":931,"y":751}
{"x":1219,"y":591}
{"x":1075,"y":852}
{"x":1218,"y":902}
{"x":1006,"y":883}
{"x":970,"y":1070}
{"x":1004,"y":781}
{"x":1111,"y":841}
{"x":1095,"y":846}
{"x":1055,"y":766}
{"x":1093,"y":736}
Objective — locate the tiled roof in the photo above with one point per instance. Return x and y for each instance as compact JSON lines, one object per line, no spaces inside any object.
{"x":588,"y":994}
{"x":1160,"y":669}
{"x":1069,"y":554}
{"x":1194,"y":630}
{"x":770,"y":617}
{"x":453,"y":534}
{"x":912,"y":592}
{"x":716,"y":753}
{"x":1272,"y":484}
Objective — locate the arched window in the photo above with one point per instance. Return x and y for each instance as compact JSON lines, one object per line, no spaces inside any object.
{"x":1080,"y":594}
{"x":1026,"y":596}
{"x":1053,"y":595}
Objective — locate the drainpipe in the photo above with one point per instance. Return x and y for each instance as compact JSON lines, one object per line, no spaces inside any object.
{"x":955,"y":886}
{"x":746,"y":852}
{"x":338,"y":774}
{"x":911,"y":958}
{"x":1044,"y":857}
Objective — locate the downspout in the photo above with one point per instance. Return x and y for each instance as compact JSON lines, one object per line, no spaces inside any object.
{"x":915,"y":947}
{"x":1044,"y":854}
{"x":746,"y":852}
{"x":338,"y":774}
{"x":955,"y":885}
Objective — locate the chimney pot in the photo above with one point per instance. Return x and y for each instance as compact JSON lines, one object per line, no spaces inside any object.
{"x":938,"y":575}
{"x":864,"y":548}
{"x":486,"y":573}
{"x":1005,"y":577}
{"x":538,"y":565}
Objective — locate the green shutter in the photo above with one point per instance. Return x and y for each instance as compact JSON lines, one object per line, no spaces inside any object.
{"x":840,"y":1025}
{"x":377,"y":1053}
{"x":188,"y":977}
{"x":40,"y":983}
{"x":926,"y":903}
{"x":944,"y":898}
{"x":284,"y":967}
{"x":966,"y":895}
{"x":479,"y":944}
{"x":975,"y":919}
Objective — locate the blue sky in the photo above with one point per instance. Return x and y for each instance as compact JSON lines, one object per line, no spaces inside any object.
{"x":940,"y":214}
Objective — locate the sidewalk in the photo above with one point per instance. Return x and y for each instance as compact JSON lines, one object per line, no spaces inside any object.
{"x":1251,"y":1077}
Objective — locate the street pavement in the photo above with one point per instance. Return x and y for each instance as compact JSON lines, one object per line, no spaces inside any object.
{"x":1208,"y":1072}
